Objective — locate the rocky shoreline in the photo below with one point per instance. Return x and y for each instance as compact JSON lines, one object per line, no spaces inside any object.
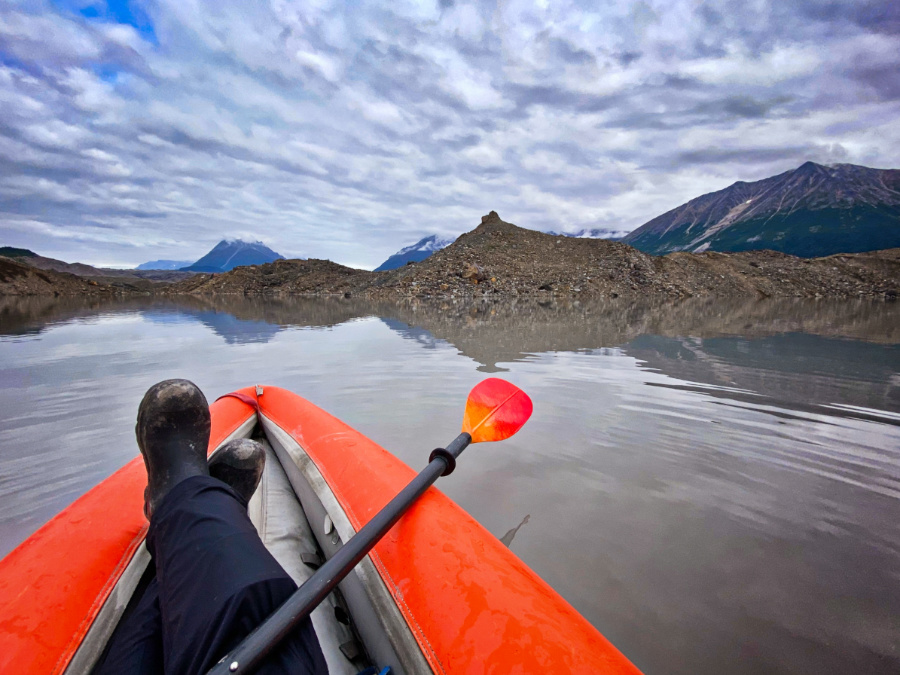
{"x":499,"y":260}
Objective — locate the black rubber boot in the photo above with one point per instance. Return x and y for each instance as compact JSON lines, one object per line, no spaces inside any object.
{"x":173,"y":434}
{"x":239,"y":463}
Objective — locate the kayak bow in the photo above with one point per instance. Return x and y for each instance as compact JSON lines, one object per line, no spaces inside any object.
{"x":437,"y":594}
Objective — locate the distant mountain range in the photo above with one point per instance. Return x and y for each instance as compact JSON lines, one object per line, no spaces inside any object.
{"x":225,"y":256}
{"x":814,"y":210}
{"x":595,"y":233}
{"x":127,"y":278}
{"x":165,"y":264}
{"x":231,"y":253}
{"x":415,"y":253}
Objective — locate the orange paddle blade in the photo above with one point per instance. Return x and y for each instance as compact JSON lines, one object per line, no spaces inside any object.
{"x":495,"y":409}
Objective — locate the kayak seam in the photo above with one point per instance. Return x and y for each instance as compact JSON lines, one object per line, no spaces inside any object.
{"x":398,"y":597}
{"x":69,"y":651}
{"x":386,"y":576}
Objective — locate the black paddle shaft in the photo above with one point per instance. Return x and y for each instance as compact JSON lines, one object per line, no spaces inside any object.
{"x":254,"y":648}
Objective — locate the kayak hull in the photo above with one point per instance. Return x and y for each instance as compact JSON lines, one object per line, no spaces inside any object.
{"x":449,"y":596}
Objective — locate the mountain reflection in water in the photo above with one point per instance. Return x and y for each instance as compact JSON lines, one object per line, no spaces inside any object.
{"x":803,"y":351}
{"x":715,"y":485}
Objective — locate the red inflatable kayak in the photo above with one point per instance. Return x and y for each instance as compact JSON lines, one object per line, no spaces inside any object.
{"x":439,"y":594}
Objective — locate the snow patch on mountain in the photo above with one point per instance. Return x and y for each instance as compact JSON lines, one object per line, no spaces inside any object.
{"x":417,"y":252}
{"x":430,"y":244}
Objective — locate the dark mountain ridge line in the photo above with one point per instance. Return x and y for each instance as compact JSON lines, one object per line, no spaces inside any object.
{"x":498,"y":259}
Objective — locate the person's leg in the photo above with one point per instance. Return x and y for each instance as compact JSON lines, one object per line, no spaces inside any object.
{"x":136,"y":645}
{"x":217,"y":581}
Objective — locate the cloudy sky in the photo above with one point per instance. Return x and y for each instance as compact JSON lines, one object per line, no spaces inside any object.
{"x":132,"y":130}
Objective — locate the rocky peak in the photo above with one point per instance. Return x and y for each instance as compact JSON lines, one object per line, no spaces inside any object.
{"x":809,"y":168}
{"x":490,"y":225}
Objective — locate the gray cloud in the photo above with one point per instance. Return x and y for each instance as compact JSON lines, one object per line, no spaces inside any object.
{"x":346,"y":134}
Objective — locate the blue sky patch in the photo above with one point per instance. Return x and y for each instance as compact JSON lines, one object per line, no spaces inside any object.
{"x":114,"y":11}
{"x":106,"y":72}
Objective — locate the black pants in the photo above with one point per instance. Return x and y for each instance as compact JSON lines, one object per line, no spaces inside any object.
{"x":215,"y":582}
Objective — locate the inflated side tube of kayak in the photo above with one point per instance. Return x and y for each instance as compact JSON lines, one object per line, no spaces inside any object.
{"x":438,"y":593}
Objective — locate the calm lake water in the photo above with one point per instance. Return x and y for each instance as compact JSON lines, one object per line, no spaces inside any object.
{"x":715,"y":486}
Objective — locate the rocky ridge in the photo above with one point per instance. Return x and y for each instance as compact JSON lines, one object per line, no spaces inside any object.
{"x":282,"y":277}
{"x":498,"y":259}
{"x":17,"y":278}
{"x":126,"y":279}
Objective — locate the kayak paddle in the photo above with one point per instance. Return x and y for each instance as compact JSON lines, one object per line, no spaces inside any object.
{"x":495,"y":410}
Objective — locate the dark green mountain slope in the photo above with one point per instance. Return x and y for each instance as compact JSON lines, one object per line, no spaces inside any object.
{"x":12,"y":252}
{"x":812,"y":211}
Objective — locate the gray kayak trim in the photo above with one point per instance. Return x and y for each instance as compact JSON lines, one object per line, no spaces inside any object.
{"x":277,"y":515}
{"x":91,"y":648}
{"x":382,"y":627}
